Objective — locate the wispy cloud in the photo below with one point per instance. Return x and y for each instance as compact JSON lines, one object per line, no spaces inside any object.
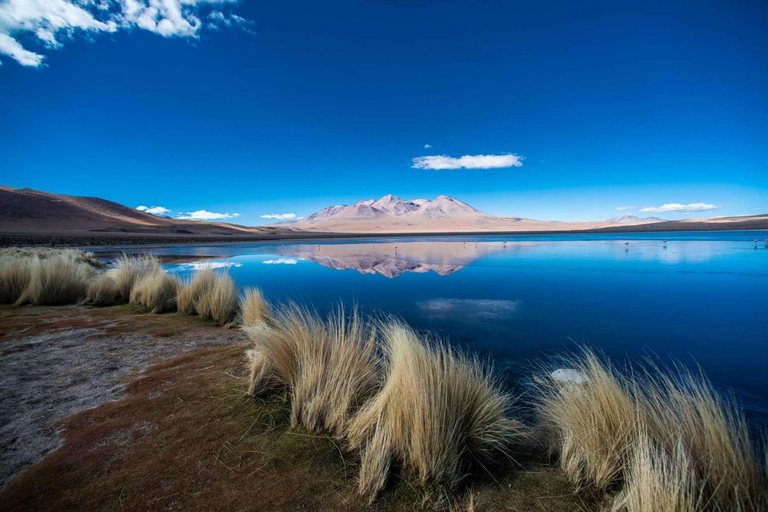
{"x":281,"y":261}
{"x":279,"y":216}
{"x":206,"y":215}
{"x":677,"y":207}
{"x":50,"y":22}
{"x":154,"y":210}
{"x":427,"y":146}
{"x":442,"y":162}
{"x":623,"y":208}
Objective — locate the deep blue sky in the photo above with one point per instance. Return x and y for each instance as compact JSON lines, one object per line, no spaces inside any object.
{"x":329,"y":102}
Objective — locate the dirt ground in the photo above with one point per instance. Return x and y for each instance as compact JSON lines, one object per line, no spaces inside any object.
{"x":182,"y":434}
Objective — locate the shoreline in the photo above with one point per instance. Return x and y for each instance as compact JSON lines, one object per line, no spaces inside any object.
{"x":83,"y":240}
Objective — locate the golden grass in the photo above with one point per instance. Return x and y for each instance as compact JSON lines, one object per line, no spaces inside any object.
{"x":201,"y":283}
{"x":129,"y":270}
{"x":253,"y":308}
{"x":591,"y":426}
{"x":102,"y":291}
{"x":658,"y":480}
{"x":218,"y":302}
{"x":684,"y":409}
{"x":437,"y":411}
{"x":44,"y":275}
{"x":328,"y":367}
{"x":56,"y":280}
{"x":156,"y":291}
{"x":619,"y":427}
{"x":14,"y":278}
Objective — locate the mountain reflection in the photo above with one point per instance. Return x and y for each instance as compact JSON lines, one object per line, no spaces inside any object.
{"x":394,"y":259}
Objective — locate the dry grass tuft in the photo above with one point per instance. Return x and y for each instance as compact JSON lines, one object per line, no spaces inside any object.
{"x":44,"y":275}
{"x":218,"y":302}
{"x":328,"y":367}
{"x":102,"y":291}
{"x":15,"y":274}
{"x":129,"y":270}
{"x":437,"y":411}
{"x":591,"y":426}
{"x":202,"y":282}
{"x":253,"y":308}
{"x":156,"y":291}
{"x":658,"y":480}
{"x":618,"y":427}
{"x":683,"y":408}
{"x":54,"y":280}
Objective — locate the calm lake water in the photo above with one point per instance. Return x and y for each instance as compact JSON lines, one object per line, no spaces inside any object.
{"x":701,"y":297}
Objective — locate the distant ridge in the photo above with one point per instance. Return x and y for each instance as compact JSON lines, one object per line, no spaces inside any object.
{"x":442,"y":214}
{"x":31,"y":216}
{"x":632,"y":219}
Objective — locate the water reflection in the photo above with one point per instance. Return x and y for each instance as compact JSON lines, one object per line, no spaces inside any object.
{"x":394,"y":259}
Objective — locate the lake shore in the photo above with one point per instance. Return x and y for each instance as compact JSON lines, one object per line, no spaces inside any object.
{"x":406,"y":419}
{"x":95,"y":240}
{"x":150,"y":412}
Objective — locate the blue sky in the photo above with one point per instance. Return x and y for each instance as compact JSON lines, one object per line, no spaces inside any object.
{"x":263,"y":108}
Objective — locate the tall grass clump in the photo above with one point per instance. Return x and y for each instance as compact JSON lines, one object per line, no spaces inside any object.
{"x":658,"y":436}
{"x":591,"y":425}
{"x":684,"y":409}
{"x":15,"y":274}
{"x":219,"y":302}
{"x":56,"y":279}
{"x":329,"y":367}
{"x":437,"y":411}
{"x":253,"y":308}
{"x":129,"y":270}
{"x":659,"y":480}
{"x":102,"y":291}
{"x":201,"y":284}
{"x":156,"y":291}
{"x":44,"y":275}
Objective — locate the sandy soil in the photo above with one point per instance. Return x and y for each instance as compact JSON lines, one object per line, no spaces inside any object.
{"x":55,"y":362}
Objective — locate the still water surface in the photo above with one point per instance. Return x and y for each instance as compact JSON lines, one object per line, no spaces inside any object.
{"x":701,"y":297}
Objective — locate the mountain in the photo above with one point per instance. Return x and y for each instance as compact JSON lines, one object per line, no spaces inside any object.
{"x":23,"y":210}
{"x":443,"y":214}
{"x":632,"y":219}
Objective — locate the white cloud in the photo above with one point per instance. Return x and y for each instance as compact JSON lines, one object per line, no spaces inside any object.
{"x":440,"y":162}
{"x":49,"y":22}
{"x":281,"y":261}
{"x":213,"y":265}
{"x":206,"y":215}
{"x":622,"y":208}
{"x":427,"y":146}
{"x":677,"y":207}
{"x":279,"y":216}
{"x":154,"y":210}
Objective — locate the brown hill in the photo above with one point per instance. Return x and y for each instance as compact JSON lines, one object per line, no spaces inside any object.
{"x":30,"y":211}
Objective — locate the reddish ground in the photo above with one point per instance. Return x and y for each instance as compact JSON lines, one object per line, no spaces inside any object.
{"x":185,"y":436}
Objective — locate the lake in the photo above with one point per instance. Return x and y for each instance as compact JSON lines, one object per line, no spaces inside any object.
{"x":701,"y":297}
